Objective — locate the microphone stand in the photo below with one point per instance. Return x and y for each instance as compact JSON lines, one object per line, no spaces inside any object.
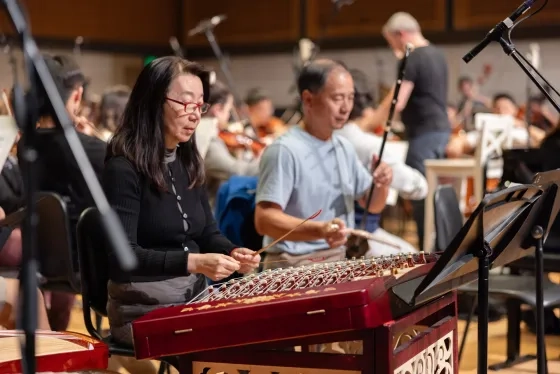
{"x":295,"y":110}
{"x":25,"y":112}
{"x":510,"y":50}
{"x":497,"y":35}
{"x":209,"y":33}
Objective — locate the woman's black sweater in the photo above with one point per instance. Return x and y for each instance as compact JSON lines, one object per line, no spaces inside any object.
{"x":155,"y":223}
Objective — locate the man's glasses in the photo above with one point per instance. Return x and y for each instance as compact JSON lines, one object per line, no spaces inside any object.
{"x":191,"y":107}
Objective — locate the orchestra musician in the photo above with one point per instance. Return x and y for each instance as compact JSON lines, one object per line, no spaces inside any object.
{"x":409,"y":182}
{"x":111,"y":109}
{"x":471,"y":102}
{"x":503,"y":104}
{"x":9,"y":288}
{"x":309,"y":168}
{"x":154,"y":179}
{"x":260,"y":111}
{"x":58,"y":170}
{"x":422,"y":101}
{"x":222,"y":159}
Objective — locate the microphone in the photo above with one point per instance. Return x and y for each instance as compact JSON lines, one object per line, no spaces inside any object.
{"x":498,"y":30}
{"x":207,"y":24}
{"x":176,"y":47}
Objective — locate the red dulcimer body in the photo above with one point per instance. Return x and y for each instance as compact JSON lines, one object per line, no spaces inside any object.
{"x":55,"y":352}
{"x":253,"y":323}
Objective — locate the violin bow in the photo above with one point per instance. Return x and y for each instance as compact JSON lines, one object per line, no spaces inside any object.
{"x":387,"y":128}
{"x":288,"y":233}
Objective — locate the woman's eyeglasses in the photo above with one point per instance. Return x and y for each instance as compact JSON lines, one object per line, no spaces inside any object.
{"x":191,"y":107}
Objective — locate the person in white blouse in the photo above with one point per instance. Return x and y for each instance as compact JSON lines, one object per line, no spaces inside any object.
{"x":408,"y":182}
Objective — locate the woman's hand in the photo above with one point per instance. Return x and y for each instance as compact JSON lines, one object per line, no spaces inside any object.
{"x":213,"y":265}
{"x":246,"y":259}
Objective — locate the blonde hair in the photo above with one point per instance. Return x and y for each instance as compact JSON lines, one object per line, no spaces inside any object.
{"x":401,"y":21}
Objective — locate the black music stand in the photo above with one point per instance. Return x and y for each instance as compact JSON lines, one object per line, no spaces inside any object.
{"x":506,"y":226}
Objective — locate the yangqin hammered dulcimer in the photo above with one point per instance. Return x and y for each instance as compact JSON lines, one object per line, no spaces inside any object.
{"x":288,"y":320}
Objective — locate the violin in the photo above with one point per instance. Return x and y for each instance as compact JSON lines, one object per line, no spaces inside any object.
{"x":273,"y":128}
{"x":236,"y":141}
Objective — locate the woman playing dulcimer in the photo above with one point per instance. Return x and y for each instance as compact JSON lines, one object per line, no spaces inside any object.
{"x":154,"y":179}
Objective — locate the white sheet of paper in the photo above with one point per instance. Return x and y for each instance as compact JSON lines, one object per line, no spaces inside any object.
{"x":8,"y":135}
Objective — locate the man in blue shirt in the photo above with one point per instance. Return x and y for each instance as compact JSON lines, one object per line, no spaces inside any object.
{"x":309,"y":168}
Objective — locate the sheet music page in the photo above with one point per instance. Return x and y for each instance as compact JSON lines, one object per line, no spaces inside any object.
{"x":8,"y":134}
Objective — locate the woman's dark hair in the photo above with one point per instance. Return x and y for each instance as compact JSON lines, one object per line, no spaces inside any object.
{"x":140,"y":135}
{"x":363,"y":94}
{"x":313,"y":76}
{"x":112,"y":106}
{"x":219,"y":93}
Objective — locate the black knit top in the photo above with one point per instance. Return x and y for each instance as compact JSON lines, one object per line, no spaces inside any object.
{"x":163,"y":227}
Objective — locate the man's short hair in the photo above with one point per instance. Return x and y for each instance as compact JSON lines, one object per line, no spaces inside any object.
{"x":401,"y":21}
{"x":67,"y":76}
{"x":314,"y":75}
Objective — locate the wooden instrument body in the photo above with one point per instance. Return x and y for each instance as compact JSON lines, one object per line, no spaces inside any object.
{"x":242,"y":332}
{"x":84,"y":353}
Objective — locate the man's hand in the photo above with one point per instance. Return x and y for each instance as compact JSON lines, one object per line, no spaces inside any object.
{"x":247,"y":261}
{"x":383,"y":174}
{"x":334,"y":233}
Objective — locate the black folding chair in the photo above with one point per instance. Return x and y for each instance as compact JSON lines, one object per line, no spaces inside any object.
{"x":94,"y":265}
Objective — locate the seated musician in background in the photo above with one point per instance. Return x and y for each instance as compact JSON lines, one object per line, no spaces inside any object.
{"x":502,"y":104}
{"x":409,"y":182}
{"x":59,"y":170}
{"x":154,"y":179}
{"x":310,"y":168}
{"x":111,"y":110}
{"x":221,"y":163}
{"x":11,"y":245}
{"x":470,"y":103}
{"x":261,"y":115}
{"x":10,"y":240}
{"x":541,"y":116}
{"x":9,"y":306}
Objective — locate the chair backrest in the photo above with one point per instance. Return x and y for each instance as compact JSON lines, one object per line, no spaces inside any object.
{"x":56,"y":256}
{"x":94,"y":262}
{"x":447,"y":216}
{"x":495,"y":135}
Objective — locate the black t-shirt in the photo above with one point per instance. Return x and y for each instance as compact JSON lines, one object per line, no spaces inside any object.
{"x":57,"y":170}
{"x":426,"y":110}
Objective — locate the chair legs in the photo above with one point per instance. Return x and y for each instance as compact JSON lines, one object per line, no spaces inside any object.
{"x":513,"y":338}
{"x":98,"y":322}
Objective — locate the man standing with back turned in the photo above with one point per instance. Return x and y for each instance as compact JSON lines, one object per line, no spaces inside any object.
{"x":422,"y":101}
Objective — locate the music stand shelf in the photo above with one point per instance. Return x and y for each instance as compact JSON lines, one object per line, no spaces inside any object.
{"x":506,"y":225}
